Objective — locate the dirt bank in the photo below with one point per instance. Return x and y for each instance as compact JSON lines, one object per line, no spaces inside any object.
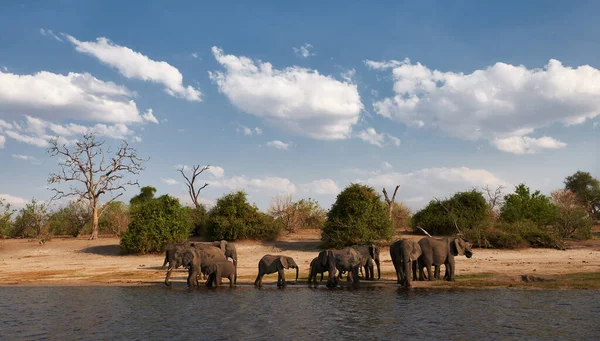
{"x":69,"y":261}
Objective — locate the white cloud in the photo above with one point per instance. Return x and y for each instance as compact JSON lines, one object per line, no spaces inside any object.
{"x":425,"y":184}
{"x":501,"y":102}
{"x":294,"y":99}
{"x":386,"y":165}
{"x":5,"y":125}
{"x":348,"y":75}
{"x":526,"y":145}
{"x":170,"y":181}
{"x":273,"y":184}
{"x":56,"y":97}
{"x":248,"y":131}
{"x":596,"y":124}
{"x":2,"y":141}
{"x":321,"y":187}
{"x":149,"y":117}
{"x":195,"y":55}
{"x":132,"y":64}
{"x":371,"y":136}
{"x":13,"y":201}
{"x":303,"y":51}
{"x":33,"y":140}
{"x":216,"y":171}
{"x":24,"y":157}
{"x":5,"y":68}
{"x":136,"y":139}
{"x":49,"y":33}
{"x":278,"y":145}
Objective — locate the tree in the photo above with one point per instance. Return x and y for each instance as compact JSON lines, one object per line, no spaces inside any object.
{"x":233,"y":218}
{"x":310,"y":214}
{"x":154,"y":223}
{"x":523,"y":205}
{"x":572,"y":218}
{"x":587,"y":191}
{"x":6,"y":224}
{"x":282,"y":209}
{"x":86,"y":166}
{"x":32,"y":220}
{"x":189,"y":182}
{"x":400,"y":215}
{"x":357,"y":217}
{"x":390,"y":202}
{"x":305,"y":213}
{"x":115,"y":219}
{"x":71,"y":219}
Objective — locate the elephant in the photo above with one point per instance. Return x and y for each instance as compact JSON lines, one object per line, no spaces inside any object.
{"x":269,"y":264}
{"x":404,"y":252}
{"x":207,"y":254}
{"x":191,"y":259}
{"x":347,"y":259}
{"x":227,"y":248}
{"x":170,"y":253}
{"x":315,"y":269}
{"x":219,"y":270}
{"x":441,"y":251}
{"x":370,"y":252}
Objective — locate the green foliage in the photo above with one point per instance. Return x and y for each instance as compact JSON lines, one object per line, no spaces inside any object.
{"x":310,"y":214}
{"x":115,"y":219}
{"x":6,"y":223}
{"x":587,"y":191}
{"x":572,"y":220}
{"x":305,"y":213}
{"x":70,"y":220}
{"x":198,"y":217}
{"x":32,"y":221}
{"x":233,"y":218}
{"x":520,"y":234}
{"x":154,"y":223}
{"x":356,"y":217}
{"x":401,"y":216}
{"x":523,"y":205}
{"x":146,"y":194}
{"x":468,"y":210}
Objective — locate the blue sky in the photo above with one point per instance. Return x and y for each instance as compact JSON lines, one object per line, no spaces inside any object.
{"x":305,"y":98}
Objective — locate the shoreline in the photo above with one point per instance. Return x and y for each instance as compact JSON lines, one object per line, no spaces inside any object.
{"x":81,"y":262}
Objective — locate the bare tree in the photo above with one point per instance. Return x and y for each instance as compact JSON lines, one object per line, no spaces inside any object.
{"x":282,"y":208}
{"x":86,"y":166}
{"x":189,"y":182}
{"x":494,"y":198}
{"x":390,"y":202}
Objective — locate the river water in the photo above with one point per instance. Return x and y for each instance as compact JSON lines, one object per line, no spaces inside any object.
{"x":295,"y":313}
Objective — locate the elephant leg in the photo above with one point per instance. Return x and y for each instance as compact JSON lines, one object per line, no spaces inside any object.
{"x":258,"y":280}
{"x":436,"y":273}
{"x":414,"y":270}
{"x":281,"y":278}
{"x":450,"y":269}
{"x":354,"y":275}
{"x":165,"y":263}
{"x":321,"y":277}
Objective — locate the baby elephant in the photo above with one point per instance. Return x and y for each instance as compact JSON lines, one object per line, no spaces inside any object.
{"x":218,"y":270}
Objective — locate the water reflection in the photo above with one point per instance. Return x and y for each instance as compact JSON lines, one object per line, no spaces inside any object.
{"x":158,"y":313}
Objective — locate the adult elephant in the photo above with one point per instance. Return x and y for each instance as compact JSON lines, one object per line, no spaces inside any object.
{"x":370,"y":252}
{"x":207,"y":254}
{"x":442,"y":251}
{"x":191,"y":259}
{"x":170,"y":253}
{"x":347,"y":259}
{"x":269,"y":264}
{"x":227,"y":248}
{"x":403,"y":253}
{"x":219,"y":270}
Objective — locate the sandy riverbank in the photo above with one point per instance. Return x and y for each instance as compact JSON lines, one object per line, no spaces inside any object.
{"x":69,"y":261}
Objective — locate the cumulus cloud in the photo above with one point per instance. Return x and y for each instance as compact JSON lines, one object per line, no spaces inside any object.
{"x":321,"y":187}
{"x":303,"y":51}
{"x":132,"y":64}
{"x":526,"y":145}
{"x":12,"y":200}
{"x":295,"y":99}
{"x":371,"y":136}
{"x":501,"y":103}
{"x":386,"y":165}
{"x":425,"y":184}
{"x":278,"y":145}
{"x":216,"y":171}
{"x":77,"y":96}
{"x":2,"y":141}
{"x":248,"y":131}
{"x":169,"y":181}
{"x":273,"y":184}
{"x":24,"y":157}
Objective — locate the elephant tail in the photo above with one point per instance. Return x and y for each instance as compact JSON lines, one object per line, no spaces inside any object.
{"x":234,"y":274}
{"x":297,"y":271}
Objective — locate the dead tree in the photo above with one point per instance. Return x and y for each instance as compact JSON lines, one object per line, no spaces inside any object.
{"x":189,"y":182}
{"x":494,"y":198}
{"x":390,"y":202}
{"x":85,"y":166}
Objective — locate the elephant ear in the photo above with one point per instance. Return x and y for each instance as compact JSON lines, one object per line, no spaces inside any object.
{"x":222,"y":245}
{"x":457,"y":247}
{"x":323,"y":258}
{"x":284,"y":262}
{"x":414,"y":250}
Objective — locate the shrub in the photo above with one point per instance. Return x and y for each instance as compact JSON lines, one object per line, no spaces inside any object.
{"x":521,"y":234}
{"x":115,"y":219}
{"x":356,"y":217}
{"x":524,"y":205}
{"x":469,"y":210}
{"x":6,"y":224}
{"x":32,"y":221}
{"x":233,"y":218}
{"x":70,"y":220}
{"x":587,"y":191}
{"x":572,"y":219}
{"x":198,"y":217}
{"x":154,"y":223}
{"x":400,"y":215}
{"x":305,"y":213}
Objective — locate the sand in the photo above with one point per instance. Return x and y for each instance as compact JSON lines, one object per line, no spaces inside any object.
{"x":78,"y":261}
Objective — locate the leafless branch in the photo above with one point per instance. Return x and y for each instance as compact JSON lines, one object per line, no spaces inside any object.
{"x":390,"y":202}
{"x":190,"y":183}
{"x":494,"y":198}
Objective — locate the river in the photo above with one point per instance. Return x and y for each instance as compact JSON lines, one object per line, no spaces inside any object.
{"x":295,"y":313}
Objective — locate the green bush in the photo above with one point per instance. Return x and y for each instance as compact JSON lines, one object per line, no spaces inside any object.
{"x":587,"y":191}
{"x":302,"y":214}
{"x":198,"y":217}
{"x":70,"y":220}
{"x":468,"y":209}
{"x":233,"y":218}
{"x":572,"y":219}
{"x":154,"y":223}
{"x":356,"y":217}
{"x":520,"y":234}
{"x":524,"y":205}
{"x":32,"y":221}
{"x":114,"y":219}
{"x":6,"y":223}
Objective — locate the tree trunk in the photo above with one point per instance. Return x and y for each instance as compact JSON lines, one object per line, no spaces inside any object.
{"x":94,"y":223}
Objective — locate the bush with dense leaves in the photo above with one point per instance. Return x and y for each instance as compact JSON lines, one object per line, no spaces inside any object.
{"x":524,"y":205}
{"x":233,"y":218}
{"x":32,"y":221}
{"x":469,"y":210}
{"x":587,"y":191}
{"x":154,"y":223}
{"x":71,"y":220}
{"x":520,"y":234}
{"x":572,"y":219}
{"x":356,"y":217}
{"x":6,"y":223}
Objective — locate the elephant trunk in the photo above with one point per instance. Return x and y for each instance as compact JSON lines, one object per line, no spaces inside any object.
{"x":297,"y":271}
{"x":378,"y":268}
{"x":167,"y":283}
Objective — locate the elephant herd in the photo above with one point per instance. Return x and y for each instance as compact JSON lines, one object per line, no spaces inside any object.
{"x":211,"y":261}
